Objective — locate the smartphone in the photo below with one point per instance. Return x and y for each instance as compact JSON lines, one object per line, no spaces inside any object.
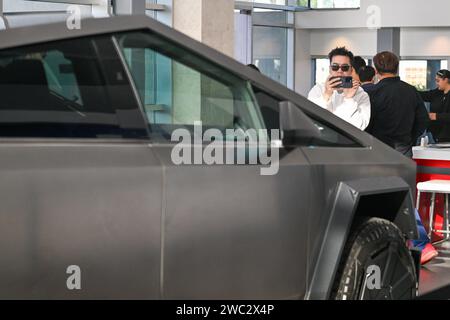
{"x":346,"y":82}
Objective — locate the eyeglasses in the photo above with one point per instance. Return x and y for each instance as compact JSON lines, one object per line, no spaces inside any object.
{"x":344,"y":67}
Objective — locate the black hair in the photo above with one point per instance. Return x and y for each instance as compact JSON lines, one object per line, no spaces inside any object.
{"x":341,"y":51}
{"x":251,"y":65}
{"x":444,"y":74}
{"x":358,"y":63}
{"x":366,"y":73}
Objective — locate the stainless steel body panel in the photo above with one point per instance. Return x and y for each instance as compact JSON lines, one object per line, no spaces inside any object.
{"x":97,"y":206}
{"x":233,"y":233}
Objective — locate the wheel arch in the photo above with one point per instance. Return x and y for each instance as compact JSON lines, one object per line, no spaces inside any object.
{"x":353,"y":199}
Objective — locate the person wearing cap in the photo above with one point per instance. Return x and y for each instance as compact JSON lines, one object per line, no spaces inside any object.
{"x":440,"y":107}
{"x":349,"y":104}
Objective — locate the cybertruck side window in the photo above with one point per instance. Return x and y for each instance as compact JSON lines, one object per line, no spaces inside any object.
{"x":330,"y":137}
{"x":179,"y":88}
{"x":62,"y":89}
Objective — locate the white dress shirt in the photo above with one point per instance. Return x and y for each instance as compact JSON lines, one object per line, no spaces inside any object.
{"x":354,"y":110}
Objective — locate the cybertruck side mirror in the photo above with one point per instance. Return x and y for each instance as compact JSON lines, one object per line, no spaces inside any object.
{"x":296,"y":127}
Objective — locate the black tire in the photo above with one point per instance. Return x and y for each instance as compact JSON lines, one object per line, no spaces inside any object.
{"x":376,"y":242}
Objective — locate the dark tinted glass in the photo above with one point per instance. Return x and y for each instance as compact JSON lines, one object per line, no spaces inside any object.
{"x":66,"y":89}
{"x":179,"y":88}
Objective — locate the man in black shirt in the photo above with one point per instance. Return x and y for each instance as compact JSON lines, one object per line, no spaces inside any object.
{"x":399,"y":115}
{"x":440,"y":107}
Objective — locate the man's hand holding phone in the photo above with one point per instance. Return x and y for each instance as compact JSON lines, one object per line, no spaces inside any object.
{"x":332,"y":83}
{"x":351,"y":92}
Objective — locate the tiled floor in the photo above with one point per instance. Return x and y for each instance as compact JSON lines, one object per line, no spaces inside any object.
{"x":436,"y":274}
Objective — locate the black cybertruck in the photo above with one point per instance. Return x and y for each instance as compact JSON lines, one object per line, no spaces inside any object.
{"x":96,"y":203}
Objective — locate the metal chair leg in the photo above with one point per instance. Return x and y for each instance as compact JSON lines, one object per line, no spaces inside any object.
{"x":418,"y":200}
{"x":433,"y":197}
{"x":447,"y":227}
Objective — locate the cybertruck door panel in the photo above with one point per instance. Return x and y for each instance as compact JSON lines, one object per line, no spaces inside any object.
{"x":228,"y":231}
{"x":231,"y":233}
{"x":96,"y":206}
{"x":80,"y":187}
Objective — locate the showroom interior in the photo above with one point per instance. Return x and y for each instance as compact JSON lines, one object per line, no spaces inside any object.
{"x":289,"y":42}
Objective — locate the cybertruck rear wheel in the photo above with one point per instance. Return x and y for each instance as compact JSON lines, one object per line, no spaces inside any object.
{"x":376,"y":264}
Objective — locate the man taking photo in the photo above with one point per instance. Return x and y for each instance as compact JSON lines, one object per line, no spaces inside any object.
{"x":347,"y":101}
